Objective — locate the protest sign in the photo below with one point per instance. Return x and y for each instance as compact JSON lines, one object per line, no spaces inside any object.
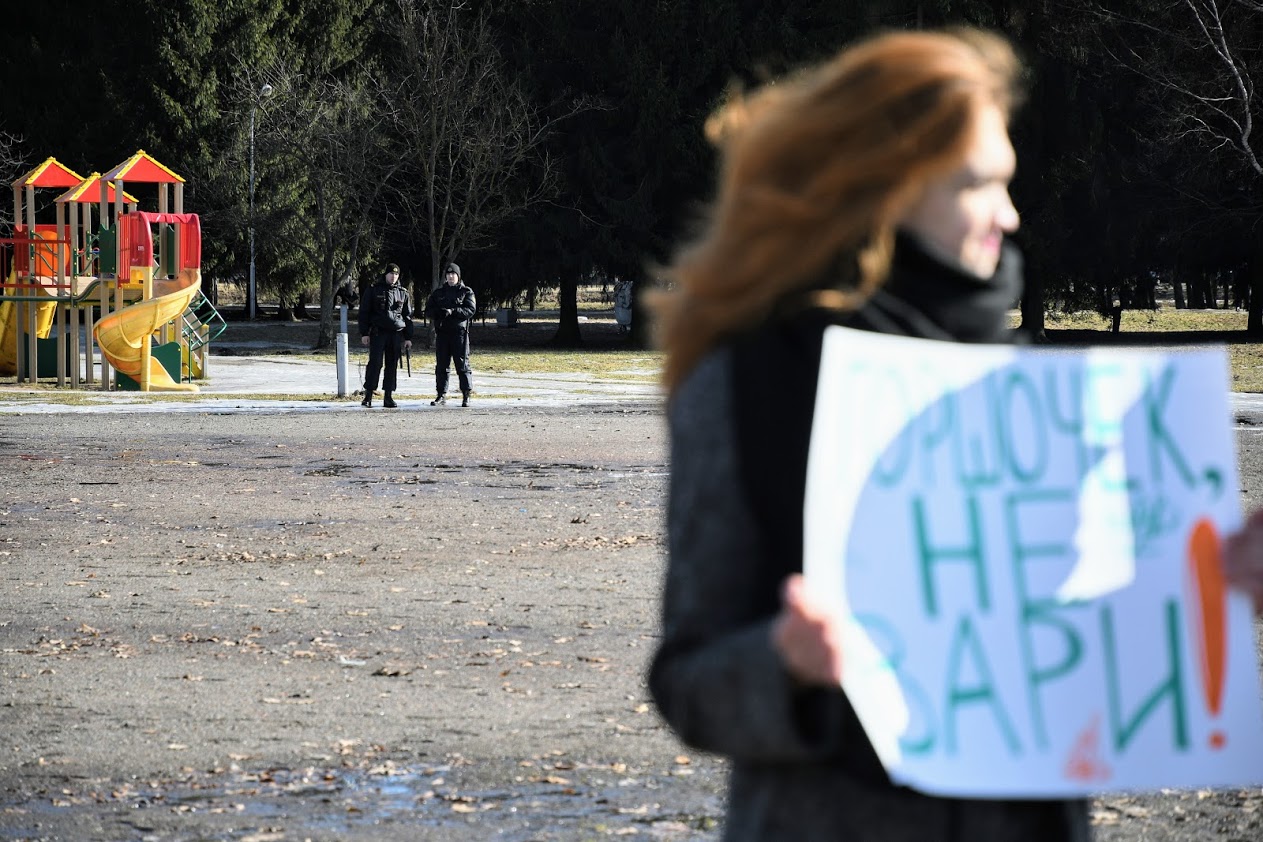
{"x":1025,"y":546}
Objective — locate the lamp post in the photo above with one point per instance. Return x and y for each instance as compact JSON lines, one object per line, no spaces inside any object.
{"x":252,"y":298}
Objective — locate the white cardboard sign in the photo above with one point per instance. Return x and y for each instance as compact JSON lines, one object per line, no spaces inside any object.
{"x":1025,"y":546}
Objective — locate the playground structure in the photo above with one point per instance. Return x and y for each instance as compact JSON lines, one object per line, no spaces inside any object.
{"x":141,"y":271}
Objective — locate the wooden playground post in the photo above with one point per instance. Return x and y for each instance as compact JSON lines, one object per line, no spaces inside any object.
{"x":103,"y":290}
{"x":32,"y":336}
{"x":63,"y":340}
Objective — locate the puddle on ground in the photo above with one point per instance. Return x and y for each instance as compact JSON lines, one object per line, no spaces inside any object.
{"x":516,"y":476}
{"x":331,"y":471}
{"x":343,"y":801}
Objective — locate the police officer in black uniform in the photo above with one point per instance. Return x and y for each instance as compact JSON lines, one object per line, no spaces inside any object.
{"x":386,"y":328}
{"x":451,"y":306}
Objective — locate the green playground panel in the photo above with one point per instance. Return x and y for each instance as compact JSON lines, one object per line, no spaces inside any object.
{"x":107,"y":243}
{"x":168,"y":354}
{"x":46,"y":350}
{"x":167,"y":250}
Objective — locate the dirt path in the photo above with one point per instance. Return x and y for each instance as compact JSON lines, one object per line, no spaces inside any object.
{"x":371,"y":626}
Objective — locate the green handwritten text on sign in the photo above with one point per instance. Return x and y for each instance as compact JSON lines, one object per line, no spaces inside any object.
{"x":1011,"y":534}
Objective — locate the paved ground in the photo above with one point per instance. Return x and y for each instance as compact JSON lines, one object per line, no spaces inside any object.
{"x":259,"y":360}
{"x":323,"y":625}
{"x":264,"y":621}
{"x":273,"y":374}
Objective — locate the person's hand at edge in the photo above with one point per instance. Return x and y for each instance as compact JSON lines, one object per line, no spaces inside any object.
{"x":1243,"y":559}
{"x":808,"y":636}
{"x":363,"y":340}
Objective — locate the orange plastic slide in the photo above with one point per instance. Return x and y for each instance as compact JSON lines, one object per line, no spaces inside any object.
{"x":122,"y":333}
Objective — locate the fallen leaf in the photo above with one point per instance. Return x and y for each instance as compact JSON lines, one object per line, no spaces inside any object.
{"x":550,"y":779}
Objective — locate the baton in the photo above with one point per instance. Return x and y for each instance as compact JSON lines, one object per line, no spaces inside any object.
{"x":407,"y":355}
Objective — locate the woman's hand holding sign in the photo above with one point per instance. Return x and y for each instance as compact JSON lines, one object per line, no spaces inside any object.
{"x":808,"y":636}
{"x":1243,"y":559}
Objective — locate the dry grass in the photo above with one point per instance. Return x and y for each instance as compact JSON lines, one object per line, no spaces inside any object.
{"x":1169,"y":327}
{"x":1165,"y":320}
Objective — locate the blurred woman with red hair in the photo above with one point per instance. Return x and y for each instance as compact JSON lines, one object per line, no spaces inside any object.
{"x":870,"y":192}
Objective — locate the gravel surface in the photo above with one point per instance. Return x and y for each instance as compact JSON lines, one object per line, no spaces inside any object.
{"x":365,"y":626}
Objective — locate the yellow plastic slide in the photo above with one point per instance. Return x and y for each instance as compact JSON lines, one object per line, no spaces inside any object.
{"x":44,"y":313}
{"x":122,"y":333}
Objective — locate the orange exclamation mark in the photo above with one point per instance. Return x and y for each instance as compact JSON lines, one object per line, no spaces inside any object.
{"x":1210,"y":593}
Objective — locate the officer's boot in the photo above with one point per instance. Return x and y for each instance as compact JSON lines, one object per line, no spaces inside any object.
{"x":439,"y":401}
{"x":388,"y":401}
{"x":368,"y":398}
{"x":464,"y":398}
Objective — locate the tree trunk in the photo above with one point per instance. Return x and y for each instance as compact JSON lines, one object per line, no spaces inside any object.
{"x":1177,"y":288}
{"x":210,"y":289}
{"x":640,"y":336}
{"x":1107,"y":300}
{"x":1196,"y":298}
{"x":436,"y":270}
{"x":300,"y":309}
{"x":1254,"y":321}
{"x":328,"y":330}
{"x":1032,"y":307}
{"x":568,"y":335}
{"x":330,"y":315}
{"x":330,"y":322}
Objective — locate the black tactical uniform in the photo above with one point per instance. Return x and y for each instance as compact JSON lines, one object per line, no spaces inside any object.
{"x":451,"y":306}
{"x":386,"y":318}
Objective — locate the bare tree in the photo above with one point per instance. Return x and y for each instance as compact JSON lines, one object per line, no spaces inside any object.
{"x":1226,"y":106}
{"x":472,"y":140}
{"x":333,"y":143}
{"x":1203,"y":54}
{"x":1201,"y":58}
{"x":12,"y":160}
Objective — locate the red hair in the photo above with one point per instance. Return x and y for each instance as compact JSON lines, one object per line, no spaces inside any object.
{"x":815,"y":173}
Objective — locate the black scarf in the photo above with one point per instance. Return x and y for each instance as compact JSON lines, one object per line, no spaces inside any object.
{"x":928,"y":299}
{"x":777,"y":364}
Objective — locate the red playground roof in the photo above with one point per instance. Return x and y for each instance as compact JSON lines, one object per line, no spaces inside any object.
{"x":51,"y":173}
{"x":144,"y":169}
{"x":88,"y":191}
